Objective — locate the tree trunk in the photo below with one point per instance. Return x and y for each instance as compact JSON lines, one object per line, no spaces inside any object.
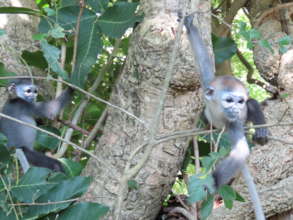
{"x":138,"y":91}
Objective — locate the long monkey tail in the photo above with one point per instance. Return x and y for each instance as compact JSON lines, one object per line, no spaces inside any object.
{"x":230,"y":166}
{"x":200,"y":52}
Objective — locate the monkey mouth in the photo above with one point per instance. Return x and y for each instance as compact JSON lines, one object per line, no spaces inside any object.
{"x":232,"y":115}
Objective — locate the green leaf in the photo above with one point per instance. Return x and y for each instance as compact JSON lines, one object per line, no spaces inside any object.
{"x":254,"y":34}
{"x":197,"y":187}
{"x":19,"y":10}
{"x":98,"y":6}
{"x":65,"y":190}
{"x":36,"y":59}
{"x":52,"y":54}
{"x":207,"y":207}
{"x":89,"y":45}
{"x":286,"y":40}
{"x":46,"y":141}
{"x":72,"y":168}
{"x":117,"y":19}
{"x":4,"y":154}
{"x":224,"y":48}
{"x":227,"y":192}
{"x":39,"y":36}
{"x":32,"y":185}
{"x":57,"y":32}
{"x":50,"y":11}
{"x":239,"y":197}
{"x":84,"y":210}
{"x":66,"y":3}
{"x":3,"y":73}
{"x":228,"y":203}
{"x":2,"y":32}
{"x":132,"y":184}
{"x":266,"y":44}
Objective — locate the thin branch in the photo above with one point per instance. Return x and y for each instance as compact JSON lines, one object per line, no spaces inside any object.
{"x":269,"y":88}
{"x":45,"y":203}
{"x":80,"y":90}
{"x":73,"y":126}
{"x":183,"y":212}
{"x":95,"y":129}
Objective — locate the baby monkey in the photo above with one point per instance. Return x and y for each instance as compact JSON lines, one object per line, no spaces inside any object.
{"x":22,"y":105}
{"x":227,"y":105}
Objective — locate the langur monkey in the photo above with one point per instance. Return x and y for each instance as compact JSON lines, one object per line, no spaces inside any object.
{"x":22,"y":105}
{"x":227,"y":105}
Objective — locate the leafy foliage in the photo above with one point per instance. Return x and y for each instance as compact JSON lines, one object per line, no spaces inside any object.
{"x":224,"y":48}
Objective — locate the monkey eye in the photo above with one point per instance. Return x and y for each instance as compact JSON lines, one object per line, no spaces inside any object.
{"x":241,"y":101}
{"x":29,"y":91}
{"x":229,"y":100}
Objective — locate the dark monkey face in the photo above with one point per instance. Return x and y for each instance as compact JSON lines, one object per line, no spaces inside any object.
{"x":27,"y":92}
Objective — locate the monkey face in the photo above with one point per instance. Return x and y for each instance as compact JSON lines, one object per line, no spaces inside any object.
{"x":234,"y":105}
{"x":26,"y":92}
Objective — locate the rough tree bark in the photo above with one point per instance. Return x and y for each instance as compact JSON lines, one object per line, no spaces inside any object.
{"x":137,"y":91}
{"x":271,"y":165}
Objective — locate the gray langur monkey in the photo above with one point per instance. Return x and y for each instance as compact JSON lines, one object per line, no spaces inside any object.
{"x":227,"y":105}
{"x":22,"y":105}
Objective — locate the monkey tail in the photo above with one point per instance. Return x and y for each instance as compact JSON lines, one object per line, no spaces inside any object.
{"x":41,"y":160}
{"x":230,"y":166}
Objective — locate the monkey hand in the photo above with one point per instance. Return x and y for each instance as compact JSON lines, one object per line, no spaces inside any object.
{"x":261,"y":136}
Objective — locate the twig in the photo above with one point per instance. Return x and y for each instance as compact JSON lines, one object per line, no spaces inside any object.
{"x":269,"y":88}
{"x":183,"y":212}
{"x":96,"y":128}
{"x":73,"y":126}
{"x":45,"y":203}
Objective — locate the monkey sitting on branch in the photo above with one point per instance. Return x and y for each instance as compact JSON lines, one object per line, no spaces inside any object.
{"x":227,"y":105}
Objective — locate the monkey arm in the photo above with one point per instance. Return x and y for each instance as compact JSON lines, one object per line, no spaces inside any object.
{"x":200,"y":53}
{"x":256,"y":116}
{"x":51,"y":109}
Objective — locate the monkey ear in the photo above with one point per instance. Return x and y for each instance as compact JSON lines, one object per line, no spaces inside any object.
{"x":209,"y":92}
{"x":11,"y":87}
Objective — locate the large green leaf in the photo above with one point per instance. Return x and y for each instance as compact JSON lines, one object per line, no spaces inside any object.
{"x":52,"y":55}
{"x":198,"y":187}
{"x":98,"y":6}
{"x":32,"y":185}
{"x":117,"y":19}
{"x":84,"y":210}
{"x":207,"y":207}
{"x":65,"y":190}
{"x":89,"y":45}
{"x":19,"y":10}
{"x":224,"y":48}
